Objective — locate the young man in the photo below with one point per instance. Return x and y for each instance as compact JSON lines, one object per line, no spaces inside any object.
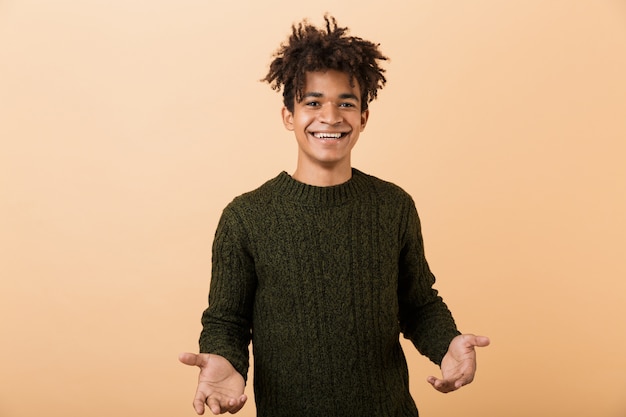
{"x":323,"y":269}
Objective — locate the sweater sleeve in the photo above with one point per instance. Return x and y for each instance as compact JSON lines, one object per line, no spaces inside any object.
{"x":424,"y":317}
{"x":227,"y":322}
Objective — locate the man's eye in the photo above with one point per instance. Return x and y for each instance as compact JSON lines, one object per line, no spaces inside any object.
{"x":312,"y":103}
{"x":346,"y":105}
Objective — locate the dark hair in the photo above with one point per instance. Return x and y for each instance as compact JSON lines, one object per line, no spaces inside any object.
{"x":310,"y":49}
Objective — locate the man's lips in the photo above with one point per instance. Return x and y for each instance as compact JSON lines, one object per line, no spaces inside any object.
{"x":329,"y":135}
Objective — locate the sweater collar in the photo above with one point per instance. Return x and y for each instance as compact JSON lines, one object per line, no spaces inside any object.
{"x":296,"y":191}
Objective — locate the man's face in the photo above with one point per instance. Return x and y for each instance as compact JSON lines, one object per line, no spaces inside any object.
{"x":327,"y":122}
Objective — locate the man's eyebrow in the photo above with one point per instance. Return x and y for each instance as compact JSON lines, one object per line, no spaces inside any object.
{"x":344,"y":96}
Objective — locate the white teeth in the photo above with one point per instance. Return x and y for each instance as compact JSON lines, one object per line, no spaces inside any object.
{"x":328,"y":135}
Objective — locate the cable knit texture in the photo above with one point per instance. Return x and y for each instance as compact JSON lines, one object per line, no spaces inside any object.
{"x":323,"y":280}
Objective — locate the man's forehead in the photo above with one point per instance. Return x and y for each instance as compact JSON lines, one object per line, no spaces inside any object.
{"x":334,"y":78}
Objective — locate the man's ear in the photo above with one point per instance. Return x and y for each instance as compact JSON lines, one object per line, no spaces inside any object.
{"x":364,"y":116}
{"x":287,"y":118}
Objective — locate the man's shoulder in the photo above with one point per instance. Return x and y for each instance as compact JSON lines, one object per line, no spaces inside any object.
{"x":385,"y":188}
{"x":256,"y":197}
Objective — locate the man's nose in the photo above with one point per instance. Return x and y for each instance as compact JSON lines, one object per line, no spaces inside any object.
{"x":330,"y":114}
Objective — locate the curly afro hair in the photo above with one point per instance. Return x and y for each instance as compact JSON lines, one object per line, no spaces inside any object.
{"x":310,"y":49}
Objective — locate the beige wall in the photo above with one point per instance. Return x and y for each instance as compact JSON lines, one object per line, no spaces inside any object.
{"x":126,"y":126}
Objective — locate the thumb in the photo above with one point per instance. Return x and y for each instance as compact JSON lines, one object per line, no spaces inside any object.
{"x":480,"y":341}
{"x":190,"y":359}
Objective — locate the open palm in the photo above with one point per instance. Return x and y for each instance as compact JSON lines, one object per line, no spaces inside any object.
{"x":458,"y":366}
{"x":220,"y":386}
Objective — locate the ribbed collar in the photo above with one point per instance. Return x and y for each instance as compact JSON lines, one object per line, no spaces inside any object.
{"x":312,"y":195}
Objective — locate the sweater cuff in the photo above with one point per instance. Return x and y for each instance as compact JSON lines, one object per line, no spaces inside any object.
{"x":442,"y":349}
{"x":239,"y":362}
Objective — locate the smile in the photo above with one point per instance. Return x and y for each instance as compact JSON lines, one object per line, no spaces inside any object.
{"x":325,"y":135}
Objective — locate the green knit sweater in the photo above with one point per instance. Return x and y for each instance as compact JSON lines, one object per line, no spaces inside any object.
{"x":323,"y":280}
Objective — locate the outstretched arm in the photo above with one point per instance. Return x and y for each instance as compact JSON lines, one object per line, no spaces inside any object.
{"x":220,"y":386}
{"x":459,"y":364}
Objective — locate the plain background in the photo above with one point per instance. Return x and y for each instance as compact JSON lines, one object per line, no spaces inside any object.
{"x":127,"y":125}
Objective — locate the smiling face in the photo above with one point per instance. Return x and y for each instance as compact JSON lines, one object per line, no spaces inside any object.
{"x":327,"y":123}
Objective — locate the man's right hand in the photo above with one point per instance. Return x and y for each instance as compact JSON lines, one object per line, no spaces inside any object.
{"x":220,"y":386}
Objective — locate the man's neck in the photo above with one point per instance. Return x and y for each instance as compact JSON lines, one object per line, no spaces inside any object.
{"x":323,"y":177}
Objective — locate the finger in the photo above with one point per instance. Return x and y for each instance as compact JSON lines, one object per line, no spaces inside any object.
{"x":199,"y":401}
{"x":187,"y":358}
{"x":480,"y":341}
{"x":464,"y":380}
{"x":214,"y":405}
{"x":198,"y":405}
{"x":232,"y":405}
{"x":238,"y":405}
{"x":200,"y":360}
{"x":441,"y":385}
